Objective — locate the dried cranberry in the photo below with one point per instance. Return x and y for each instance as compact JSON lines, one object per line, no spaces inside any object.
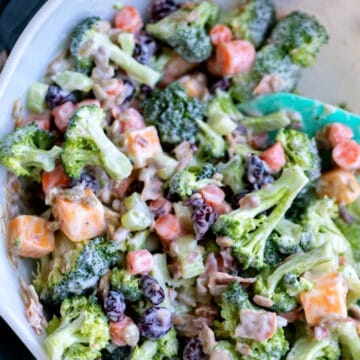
{"x":152,"y":290}
{"x":87,"y":181}
{"x":162,"y":8}
{"x":222,"y":84}
{"x":55,"y":96}
{"x":155,"y":322}
{"x":145,"y":48}
{"x":257,"y":172}
{"x":131,"y":89}
{"x":145,"y":90}
{"x":193,"y":350}
{"x":115,"y":306}
{"x":203,"y":217}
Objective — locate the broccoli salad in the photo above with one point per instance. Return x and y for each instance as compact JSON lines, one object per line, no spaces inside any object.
{"x":165,"y":223}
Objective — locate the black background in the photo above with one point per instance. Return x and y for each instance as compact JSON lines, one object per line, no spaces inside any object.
{"x":14,"y":15}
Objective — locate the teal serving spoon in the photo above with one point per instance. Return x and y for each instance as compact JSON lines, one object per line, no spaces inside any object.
{"x":314,"y":113}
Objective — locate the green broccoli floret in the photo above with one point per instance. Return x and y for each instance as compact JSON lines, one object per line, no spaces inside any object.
{"x":185,"y":182}
{"x":74,"y":268}
{"x":25,"y":151}
{"x":300,"y":150}
{"x":253,"y":21}
{"x":165,"y":348}
{"x":272,"y":255}
{"x":233,"y":172}
{"x":351,"y":229}
{"x":249,"y":228}
{"x":206,"y":171}
{"x":173,"y":113}
{"x":349,"y":340}
{"x":86,"y":34}
{"x":119,"y":353}
{"x":86,"y":144}
{"x":222,"y":114}
{"x":232,"y":300}
{"x":211,"y":144}
{"x":272,"y":61}
{"x":267,"y":123}
{"x":273,"y":349}
{"x":137,"y":215}
{"x":290,"y":237}
{"x":273,"y":285}
{"x":319,"y":218}
{"x":128,"y":285}
{"x":307,"y":348}
{"x":81,"y":332}
{"x":184,"y":30}
{"x":301,"y":36}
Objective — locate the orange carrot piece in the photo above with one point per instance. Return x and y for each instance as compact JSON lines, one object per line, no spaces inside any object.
{"x":55,"y":178}
{"x":212,"y":195}
{"x":168,"y":228}
{"x":62,"y":114}
{"x":80,"y":220}
{"x":328,"y":297}
{"x":346,"y":155}
{"x":219,"y":34}
{"x":41,"y":120}
{"x":274,"y":157}
{"x":339,"y":132}
{"x":234,"y":57}
{"x":117,"y":331}
{"x":29,"y":236}
{"x":128,"y":19}
{"x":139,"y":262}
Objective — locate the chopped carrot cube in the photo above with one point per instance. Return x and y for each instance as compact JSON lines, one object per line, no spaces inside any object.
{"x":212,"y":195}
{"x":139,"y":262}
{"x":29,"y":236}
{"x":219,"y":34}
{"x":142,"y":144}
{"x":339,"y":132}
{"x":168,"y":228}
{"x":346,"y":154}
{"x":328,"y":297}
{"x":274,"y":157}
{"x":55,"y":178}
{"x":128,"y":19}
{"x":82,"y":219}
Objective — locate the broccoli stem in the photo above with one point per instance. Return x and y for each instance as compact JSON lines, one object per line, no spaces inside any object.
{"x":44,"y":159}
{"x":349,"y":339}
{"x":270,"y":122}
{"x":300,"y":263}
{"x":141,"y":73}
{"x":111,"y":157}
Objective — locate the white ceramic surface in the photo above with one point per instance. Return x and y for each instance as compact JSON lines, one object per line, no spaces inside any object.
{"x":335,"y":78}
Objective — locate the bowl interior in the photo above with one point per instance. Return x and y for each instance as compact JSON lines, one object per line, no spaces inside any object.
{"x":335,"y":78}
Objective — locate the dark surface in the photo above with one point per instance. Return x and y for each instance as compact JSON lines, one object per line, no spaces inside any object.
{"x":14,"y":15}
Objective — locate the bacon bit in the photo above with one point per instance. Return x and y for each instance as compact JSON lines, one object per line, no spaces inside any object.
{"x":184,"y":154}
{"x":226,"y":261}
{"x":153,"y":186}
{"x":263,"y":301}
{"x":320,"y":333}
{"x":211,"y":265}
{"x":219,"y":355}
{"x":207,"y":339}
{"x":218,"y":281}
{"x":34,"y":311}
{"x":291,"y":316}
{"x":256,"y":325}
{"x":268,"y":84}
